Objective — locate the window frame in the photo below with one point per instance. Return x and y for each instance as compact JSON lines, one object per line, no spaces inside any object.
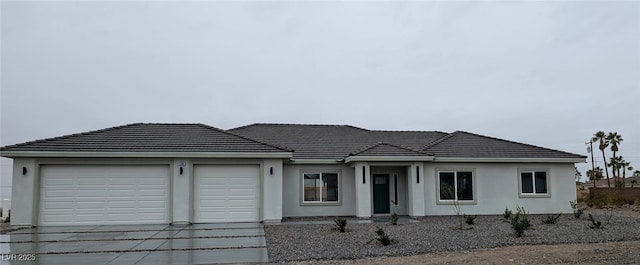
{"x":533,"y":172}
{"x":320,"y":172}
{"x":455,"y":183}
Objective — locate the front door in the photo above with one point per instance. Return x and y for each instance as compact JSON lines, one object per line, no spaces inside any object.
{"x":380,"y":193}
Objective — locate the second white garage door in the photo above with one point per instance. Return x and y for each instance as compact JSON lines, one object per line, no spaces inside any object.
{"x":226,"y":193}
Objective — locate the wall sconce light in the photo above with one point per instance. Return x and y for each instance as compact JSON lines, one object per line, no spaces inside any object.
{"x":364,"y":175}
{"x":271,"y":171}
{"x":24,"y":170}
{"x":181,"y":170}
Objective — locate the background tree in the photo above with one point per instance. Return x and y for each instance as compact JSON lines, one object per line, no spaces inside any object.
{"x":614,"y":140}
{"x":616,"y":163}
{"x":601,"y":138}
{"x":626,"y":166}
{"x":577,"y":174}
{"x":595,"y":175}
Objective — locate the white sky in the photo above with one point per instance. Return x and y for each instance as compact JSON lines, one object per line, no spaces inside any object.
{"x":544,"y":73}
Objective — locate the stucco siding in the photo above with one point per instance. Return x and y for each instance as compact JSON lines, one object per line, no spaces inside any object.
{"x":497,"y":187}
{"x":292,"y":205}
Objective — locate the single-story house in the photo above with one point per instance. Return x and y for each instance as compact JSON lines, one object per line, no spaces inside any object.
{"x":193,"y":173}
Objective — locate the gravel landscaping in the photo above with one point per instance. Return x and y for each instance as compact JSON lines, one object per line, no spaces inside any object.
{"x":294,"y":242}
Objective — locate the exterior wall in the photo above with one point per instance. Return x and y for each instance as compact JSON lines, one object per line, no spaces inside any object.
{"x":24,"y":193}
{"x":496,"y":188}
{"x":181,"y":192}
{"x":292,"y":192}
{"x":272,"y":190}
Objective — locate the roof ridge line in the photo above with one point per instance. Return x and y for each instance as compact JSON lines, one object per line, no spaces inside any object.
{"x":369,"y":147}
{"x":298,"y":124}
{"x":246,"y":138}
{"x":404,"y":131}
{"x":440,"y":140}
{"x":72,"y":135}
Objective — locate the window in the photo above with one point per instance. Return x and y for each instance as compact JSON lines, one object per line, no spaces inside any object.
{"x":533,"y":182}
{"x":321,"y":187}
{"x":456,"y":186}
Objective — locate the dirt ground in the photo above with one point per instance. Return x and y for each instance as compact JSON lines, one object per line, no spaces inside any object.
{"x":626,"y":252}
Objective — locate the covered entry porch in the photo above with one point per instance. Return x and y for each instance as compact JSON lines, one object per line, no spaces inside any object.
{"x":383,"y":188}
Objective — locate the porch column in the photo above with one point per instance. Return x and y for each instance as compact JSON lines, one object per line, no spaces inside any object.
{"x":363,"y":189}
{"x":416,"y":190}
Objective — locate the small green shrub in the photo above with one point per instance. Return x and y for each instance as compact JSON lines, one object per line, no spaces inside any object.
{"x":519,"y":221}
{"x":394,"y":219}
{"x":577,"y":211}
{"x":551,"y":219}
{"x":507,"y":214}
{"x":595,"y":224}
{"x":340,"y":224}
{"x":470,"y":219}
{"x":382,"y":237}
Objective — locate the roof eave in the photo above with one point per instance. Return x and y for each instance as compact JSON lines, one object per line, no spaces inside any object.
{"x":93,"y":154}
{"x":315,"y":161}
{"x":510,"y":160}
{"x":387,"y":158}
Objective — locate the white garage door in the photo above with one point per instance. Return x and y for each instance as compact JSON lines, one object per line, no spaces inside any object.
{"x":226,"y":193}
{"x":89,"y":194}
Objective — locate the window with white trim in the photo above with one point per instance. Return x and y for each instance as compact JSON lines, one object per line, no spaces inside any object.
{"x":533,"y":183}
{"x":455,"y":186}
{"x":321,"y":187}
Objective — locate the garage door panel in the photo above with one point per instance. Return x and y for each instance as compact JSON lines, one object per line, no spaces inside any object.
{"x":226,"y":193}
{"x":88,"y":195}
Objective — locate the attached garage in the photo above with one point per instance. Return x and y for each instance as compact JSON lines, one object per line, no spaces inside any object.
{"x":226,"y":193}
{"x":104,"y":194}
{"x":146,"y":173}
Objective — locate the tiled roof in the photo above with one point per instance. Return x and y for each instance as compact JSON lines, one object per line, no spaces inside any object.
{"x":326,"y":142}
{"x":385,"y":149}
{"x":469,"y":145}
{"x":150,"y":137}
{"x":333,"y":142}
{"x":339,"y":141}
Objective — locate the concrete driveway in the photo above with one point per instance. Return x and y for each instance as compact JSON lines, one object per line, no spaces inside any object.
{"x":137,"y":244}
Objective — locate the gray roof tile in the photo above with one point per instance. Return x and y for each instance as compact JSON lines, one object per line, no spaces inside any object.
{"x":385,"y":149}
{"x":338,"y":141}
{"x":150,"y":137}
{"x":465,"y":144}
{"x":333,"y":142}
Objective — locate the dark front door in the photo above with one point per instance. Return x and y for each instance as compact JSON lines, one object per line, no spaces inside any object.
{"x":380,"y":193}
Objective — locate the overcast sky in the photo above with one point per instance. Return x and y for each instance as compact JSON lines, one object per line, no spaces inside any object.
{"x":544,"y":73}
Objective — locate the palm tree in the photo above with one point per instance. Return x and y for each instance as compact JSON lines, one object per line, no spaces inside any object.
{"x":626,"y":166}
{"x":614,"y":139}
{"x":594,"y":175}
{"x":601,"y":138}
{"x":614,"y":163}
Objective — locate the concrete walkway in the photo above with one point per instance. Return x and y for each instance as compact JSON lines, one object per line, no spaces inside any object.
{"x":137,"y":244}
